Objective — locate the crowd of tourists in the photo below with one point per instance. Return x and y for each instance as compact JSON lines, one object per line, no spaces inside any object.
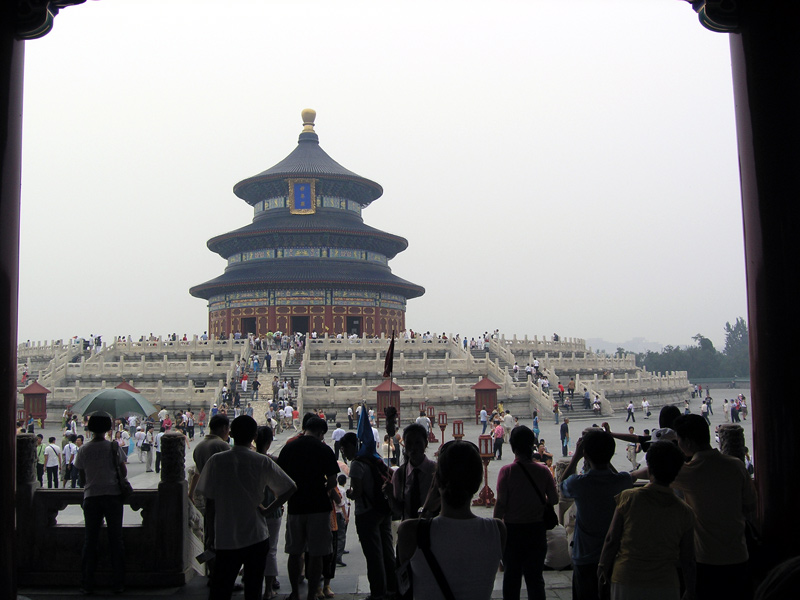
{"x":681,"y":535}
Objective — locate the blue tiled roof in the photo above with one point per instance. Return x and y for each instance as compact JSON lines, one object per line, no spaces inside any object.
{"x":308,"y":160}
{"x":307,"y":273}
{"x":278,"y":227}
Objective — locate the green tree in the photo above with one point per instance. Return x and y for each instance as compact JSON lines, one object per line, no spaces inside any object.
{"x":737,"y":350}
{"x":706,"y":345}
{"x":703,"y":360}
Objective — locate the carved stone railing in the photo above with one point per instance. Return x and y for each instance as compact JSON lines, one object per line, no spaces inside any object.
{"x":589,"y":362}
{"x":169,"y":396}
{"x":330,"y":344}
{"x":539,"y":346}
{"x":49,"y":552}
{"x":194,"y":345}
{"x":642,"y":382}
{"x":502,"y":351}
{"x":48,"y":373}
{"x":525,"y":394}
{"x":355,"y":367}
{"x":43,"y":349}
{"x":302,"y":381}
{"x":132,"y":369}
{"x":70,"y":381}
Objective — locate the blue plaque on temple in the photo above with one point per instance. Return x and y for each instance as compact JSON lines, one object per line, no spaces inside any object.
{"x":302,"y":199}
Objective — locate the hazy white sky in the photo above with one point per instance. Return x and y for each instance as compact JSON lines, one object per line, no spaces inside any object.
{"x":559,"y":167}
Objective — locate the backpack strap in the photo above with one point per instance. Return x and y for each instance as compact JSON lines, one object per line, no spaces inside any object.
{"x":424,"y":544}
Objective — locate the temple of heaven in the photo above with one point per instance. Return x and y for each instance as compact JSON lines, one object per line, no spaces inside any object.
{"x":307,"y":262}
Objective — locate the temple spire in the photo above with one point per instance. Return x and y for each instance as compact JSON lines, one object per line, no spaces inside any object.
{"x":308,"y":115}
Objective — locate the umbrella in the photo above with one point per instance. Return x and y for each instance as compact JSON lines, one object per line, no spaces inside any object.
{"x":114,"y":402}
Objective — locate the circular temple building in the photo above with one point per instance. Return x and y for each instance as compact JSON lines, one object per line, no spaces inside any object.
{"x":307,"y":262}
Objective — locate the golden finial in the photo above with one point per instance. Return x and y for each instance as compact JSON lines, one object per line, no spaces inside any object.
{"x":308,"y":114}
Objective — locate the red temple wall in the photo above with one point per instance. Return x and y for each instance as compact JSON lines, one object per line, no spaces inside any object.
{"x":324,"y":319}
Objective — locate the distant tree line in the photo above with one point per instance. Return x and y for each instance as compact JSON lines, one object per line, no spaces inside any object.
{"x":703,"y":360}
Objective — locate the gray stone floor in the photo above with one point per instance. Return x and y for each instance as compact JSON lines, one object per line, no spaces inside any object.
{"x":351,"y":581}
{"x":346,"y":586}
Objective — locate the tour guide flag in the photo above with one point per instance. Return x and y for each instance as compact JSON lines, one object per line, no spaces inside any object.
{"x":365,"y":437}
{"x":388,"y":366}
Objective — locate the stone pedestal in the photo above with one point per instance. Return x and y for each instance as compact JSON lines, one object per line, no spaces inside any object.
{"x":26,"y":487}
{"x":172,"y":498}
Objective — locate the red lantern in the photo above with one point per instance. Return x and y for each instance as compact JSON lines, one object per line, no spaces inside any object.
{"x":486,"y":497}
{"x":485,"y":446}
{"x":442,"y":419}
{"x":458,"y":429}
{"x":432,"y":416}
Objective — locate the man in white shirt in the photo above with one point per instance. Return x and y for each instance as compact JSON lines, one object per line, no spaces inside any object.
{"x":287,"y":416}
{"x":157,"y":445}
{"x":70,"y":452}
{"x":52,"y":456}
{"x":132,"y":422}
{"x":508,"y":422}
{"x":236,"y":481}
{"x":72,"y":426}
{"x":337,"y":436}
{"x":424,"y":421}
{"x":139,"y":438}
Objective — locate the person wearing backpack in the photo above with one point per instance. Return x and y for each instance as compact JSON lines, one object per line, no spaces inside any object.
{"x":368,"y":474}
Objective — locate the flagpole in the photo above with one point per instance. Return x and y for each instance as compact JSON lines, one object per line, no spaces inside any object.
{"x":388,"y":369}
{"x":391,"y":373}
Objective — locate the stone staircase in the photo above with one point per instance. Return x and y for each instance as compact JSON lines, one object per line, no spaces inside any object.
{"x":289,"y":372}
{"x":576,"y":413}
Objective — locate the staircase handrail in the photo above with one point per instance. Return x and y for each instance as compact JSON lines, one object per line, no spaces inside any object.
{"x":502,"y":351}
{"x":48,"y":378}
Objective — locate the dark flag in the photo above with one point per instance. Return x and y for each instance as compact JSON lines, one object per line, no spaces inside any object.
{"x":388,"y":366}
{"x":366,"y":438}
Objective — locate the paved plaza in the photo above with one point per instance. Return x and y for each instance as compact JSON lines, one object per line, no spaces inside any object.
{"x":351,"y":581}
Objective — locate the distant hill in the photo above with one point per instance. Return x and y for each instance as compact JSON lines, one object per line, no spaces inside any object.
{"x":633,"y":345}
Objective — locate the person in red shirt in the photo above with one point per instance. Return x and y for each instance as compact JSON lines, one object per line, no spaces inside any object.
{"x":523,"y":489}
{"x":498,"y":435}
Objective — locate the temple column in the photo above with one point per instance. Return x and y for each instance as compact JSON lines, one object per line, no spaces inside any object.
{"x":11,"y":71}
{"x":765,"y":58}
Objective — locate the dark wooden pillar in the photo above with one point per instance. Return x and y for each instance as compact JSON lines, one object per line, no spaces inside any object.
{"x":11,"y":64}
{"x":765,"y":57}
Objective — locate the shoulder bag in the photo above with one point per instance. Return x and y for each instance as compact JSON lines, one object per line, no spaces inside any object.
{"x":125,"y":487}
{"x":550,"y":519}
{"x":424,"y":544}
